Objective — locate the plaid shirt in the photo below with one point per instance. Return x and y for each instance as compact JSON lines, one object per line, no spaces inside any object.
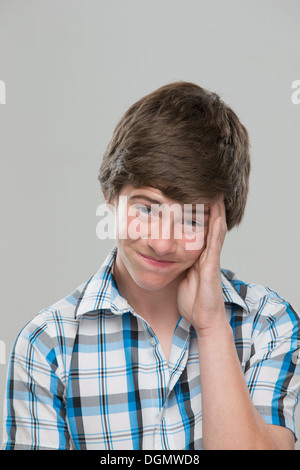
{"x":89,"y":373}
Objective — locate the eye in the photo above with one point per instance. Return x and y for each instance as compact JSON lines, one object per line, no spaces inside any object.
{"x":192,"y":223}
{"x":142,"y":209}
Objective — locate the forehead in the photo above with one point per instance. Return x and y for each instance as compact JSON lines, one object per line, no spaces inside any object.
{"x":154,"y":196}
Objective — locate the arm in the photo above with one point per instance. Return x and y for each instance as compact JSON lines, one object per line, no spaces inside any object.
{"x":34,"y":406}
{"x":230,"y":421}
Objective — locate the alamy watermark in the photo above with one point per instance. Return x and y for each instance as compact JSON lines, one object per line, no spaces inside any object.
{"x":2,"y":92}
{"x":2,"y":343}
{"x":155,"y":221}
{"x":2,"y":352}
{"x":296,"y":94}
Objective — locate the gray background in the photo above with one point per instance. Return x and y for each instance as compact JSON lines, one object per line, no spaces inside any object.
{"x":72,"y":67}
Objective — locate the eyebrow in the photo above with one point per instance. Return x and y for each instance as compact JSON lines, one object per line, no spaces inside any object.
{"x":147,"y":198}
{"x":155,"y":201}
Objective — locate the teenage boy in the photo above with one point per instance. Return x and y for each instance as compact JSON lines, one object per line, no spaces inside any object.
{"x":161,"y":348}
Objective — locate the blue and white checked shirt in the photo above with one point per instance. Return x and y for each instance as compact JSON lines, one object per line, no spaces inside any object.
{"x":89,"y":373}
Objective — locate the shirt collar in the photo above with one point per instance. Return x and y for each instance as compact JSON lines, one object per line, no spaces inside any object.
{"x":230,"y":292}
{"x":101,"y":292}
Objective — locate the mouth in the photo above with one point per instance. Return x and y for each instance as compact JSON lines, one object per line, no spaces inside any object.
{"x":156,"y":262}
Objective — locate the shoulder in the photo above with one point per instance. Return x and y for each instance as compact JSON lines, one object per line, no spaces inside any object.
{"x":51,"y":332}
{"x":56,"y":326}
{"x":264,"y":304}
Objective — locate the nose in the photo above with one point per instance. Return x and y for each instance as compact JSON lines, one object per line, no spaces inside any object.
{"x":162,"y":243}
{"x":162,"y":247}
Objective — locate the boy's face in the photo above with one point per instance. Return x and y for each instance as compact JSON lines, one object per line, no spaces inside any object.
{"x":158,"y":238}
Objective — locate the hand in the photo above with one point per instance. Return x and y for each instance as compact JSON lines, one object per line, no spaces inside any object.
{"x":200,"y":296}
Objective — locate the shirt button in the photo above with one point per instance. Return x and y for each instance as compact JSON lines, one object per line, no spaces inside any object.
{"x":153,"y":342}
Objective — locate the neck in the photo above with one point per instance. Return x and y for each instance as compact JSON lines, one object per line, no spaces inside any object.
{"x":148,"y":304}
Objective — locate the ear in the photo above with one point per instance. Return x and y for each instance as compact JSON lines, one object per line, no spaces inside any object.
{"x":105,"y":199}
{"x":104,"y":196}
{"x":110,"y":205}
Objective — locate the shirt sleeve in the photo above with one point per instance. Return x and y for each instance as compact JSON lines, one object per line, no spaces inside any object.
{"x":273,"y":371}
{"x":35,"y":414}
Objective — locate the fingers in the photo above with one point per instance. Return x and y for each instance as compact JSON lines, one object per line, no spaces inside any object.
{"x":215,"y":244}
{"x":222,"y":214}
{"x":217,"y":229}
{"x":217,"y":209}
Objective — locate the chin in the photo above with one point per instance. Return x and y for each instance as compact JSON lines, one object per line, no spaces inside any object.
{"x":151,"y":282}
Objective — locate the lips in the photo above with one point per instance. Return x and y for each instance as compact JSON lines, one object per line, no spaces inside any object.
{"x":155,"y":261}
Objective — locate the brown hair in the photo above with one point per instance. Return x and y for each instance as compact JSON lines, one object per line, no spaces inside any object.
{"x":185,"y":141}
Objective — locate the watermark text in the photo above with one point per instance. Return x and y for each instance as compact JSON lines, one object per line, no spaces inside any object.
{"x":2,"y":352}
{"x":156,"y":221}
{"x":2,"y":92}
{"x":296,"y":94}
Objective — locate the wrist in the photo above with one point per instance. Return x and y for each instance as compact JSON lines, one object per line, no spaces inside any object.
{"x":216,"y":330}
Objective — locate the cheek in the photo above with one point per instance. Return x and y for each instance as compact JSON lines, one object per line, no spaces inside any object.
{"x":192,"y":249}
{"x":130,"y":227}
{"x":191,"y":256}
{"x":195,"y":244}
